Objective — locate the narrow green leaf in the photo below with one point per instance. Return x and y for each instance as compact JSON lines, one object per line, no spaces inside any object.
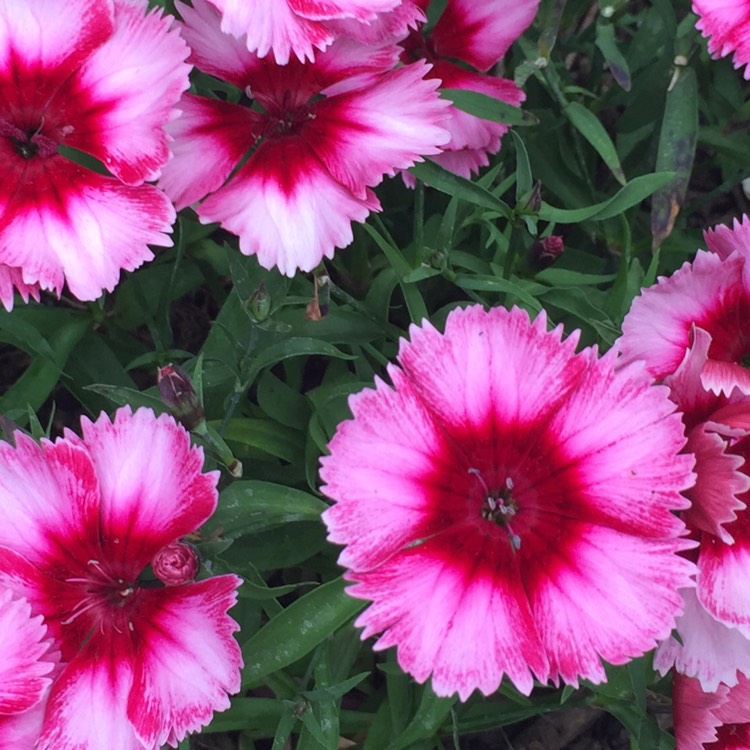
{"x":297,"y":630}
{"x":488,"y":108}
{"x":618,"y":65}
{"x":589,"y":126}
{"x":631,"y":195}
{"x":251,"y":506}
{"x":677,"y":142}
{"x":447,"y":182}
{"x":128,"y":396}
{"x":430,"y":715}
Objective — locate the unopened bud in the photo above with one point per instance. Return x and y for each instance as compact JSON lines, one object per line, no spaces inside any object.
{"x":259,"y":304}
{"x":532,"y":201}
{"x":545,"y":251}
{"x":177,"y":392}
{"x":175,"y":564}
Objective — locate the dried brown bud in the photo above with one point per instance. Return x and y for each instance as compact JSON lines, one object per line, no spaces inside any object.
{"x":175,"y":564}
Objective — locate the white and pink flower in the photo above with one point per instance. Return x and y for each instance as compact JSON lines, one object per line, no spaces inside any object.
{"x":83,"y":82}
{"x":297,"y":28}
{"x":479,"y":35}
{"x":726,"y":24}
{"x":328,"y":132}
{"x":527,"y":527}
{"x":80,"y":520}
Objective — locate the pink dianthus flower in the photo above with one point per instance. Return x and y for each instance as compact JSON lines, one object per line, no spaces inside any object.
{"x":506,"y":506}
{"x":80,"y":521}
{"x":325,"y":134}
{"x":100,"y":78}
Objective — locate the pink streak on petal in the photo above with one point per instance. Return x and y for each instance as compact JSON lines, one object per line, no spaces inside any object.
{"x":42,"y":42}
{"x":362,"y":136}
{"x":710,"y":651}
{"x":718,"y":484}
{"x":213,"y":51}
{"x":695,"y":720}
{"x":709,"y":293}
{"x":723,"y":377}
{"x":481,"y":33}
{"x":455,"y":606}
{"x":286,"y":208}
{"x":726,"y":24}
{"x":25,"y":659}
{"x":67,"y":224}
{"x":323,"y":10}
{"x":85,"y":709}
{"x":151,"y":485}
{"x":466,"y":130}
{"x":187,"y":661}
{"x":271,"y":26}
{"x":126,"y":91}
{"x":210,"y":139}
{"x":11,"y":280}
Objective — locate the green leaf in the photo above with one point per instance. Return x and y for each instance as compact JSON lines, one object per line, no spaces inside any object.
{"x":447,"y":182}
{"x":251,"y":506}
{"x":590,"y":127}
{"x":618,"y":65}
{"x":129,"y":396}
{"x":631,"y":195}
{"x":430,"y":715}
{"x":488,"y":108}
{"x":677,"y":142}
{"x":297,"y":630}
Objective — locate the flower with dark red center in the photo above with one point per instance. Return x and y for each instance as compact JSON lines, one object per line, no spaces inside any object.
{"x":73,"y":86}
{"x":320,"y":137}
{"x":506,"y":506}
{"x":80,"y":521}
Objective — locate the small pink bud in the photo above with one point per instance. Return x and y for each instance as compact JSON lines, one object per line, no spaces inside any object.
{"x":175,"y":564}
{"x":177,"y":392}
{"x":546,"y":251}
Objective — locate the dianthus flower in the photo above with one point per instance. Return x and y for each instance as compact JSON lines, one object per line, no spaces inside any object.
{"x":479,"y":35}
{"x":27,"y":661}
{"x":326,"y":133}
{"x":80,"y":521}
{"x":718,"y":720}
{"x":506,"y":506}
{"x":691,"y":331}
{"x":726,"y":24}
{"x":299,"y":27}
{"x":82,"y":79}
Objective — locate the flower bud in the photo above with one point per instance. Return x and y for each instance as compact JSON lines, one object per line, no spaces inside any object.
{"x":175,"y":564}
{"x":545,"y":251}
{"x":178,"y":394}
{"x":259,"y":304}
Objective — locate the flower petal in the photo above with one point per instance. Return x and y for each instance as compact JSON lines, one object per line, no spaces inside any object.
{"x":286,"y":208}
{"x":210,"y":139}
{"x":187,"y":660}
{"x":481,"y":33}
{"x":366,"y":134}
{"x":115,"y":117}
{"x":695,"y":722}
{"x":151,"y":485}
{"x":456,"y":611}
{"x":11,"y":280}
{"x":67,"y":224}
{"x":710,"y":651}
{"x":386,"y":28}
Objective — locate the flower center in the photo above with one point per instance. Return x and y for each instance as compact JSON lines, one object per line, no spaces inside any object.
{"x":499,"y":506}
{"x":29,"y":142}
